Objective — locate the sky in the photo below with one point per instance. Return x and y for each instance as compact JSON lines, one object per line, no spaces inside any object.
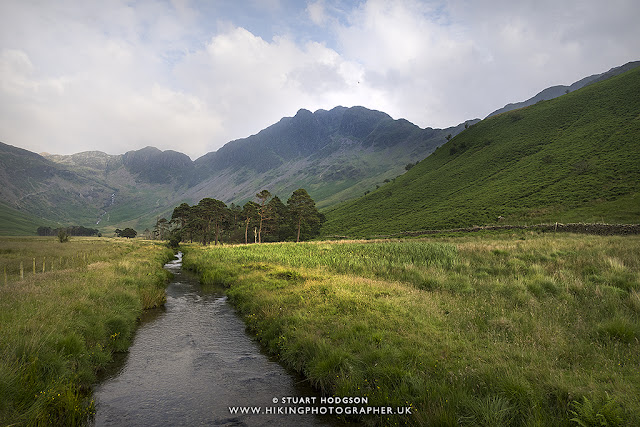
{"x":192,"y":75}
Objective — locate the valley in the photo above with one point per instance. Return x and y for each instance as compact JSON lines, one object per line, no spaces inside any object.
{"x":513,"y":324}
{"x":536,"y":164}
{"x":508,"y":327}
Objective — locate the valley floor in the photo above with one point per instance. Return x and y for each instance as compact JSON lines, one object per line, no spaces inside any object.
{"x":494,"y":328}
{"x":509,"y":328}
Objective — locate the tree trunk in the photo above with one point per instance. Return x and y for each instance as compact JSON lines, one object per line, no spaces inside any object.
{"x":299,"y":221}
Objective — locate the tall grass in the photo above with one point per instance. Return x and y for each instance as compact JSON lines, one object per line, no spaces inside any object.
{"x":480,"y":330}
{"x":60,"y":327}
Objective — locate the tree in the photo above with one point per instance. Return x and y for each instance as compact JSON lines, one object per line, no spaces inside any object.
{"x":264,"y":211}
{"x":234,"y":230}
{"x":214,"y":213}
{"x":181,"y":214}
{"x":148,"y":235}
{"x":63,"y":236}
{"x":45,"y":231}
{"x":187,"y":221}
{"x":196,"y":223}
{"x":278,"y":215}
{"x":161,"y":229}
{"x":303,"y":213}
{"x":129,"y":233}
{"x":249,"y":215}
{"x":235,"y":211}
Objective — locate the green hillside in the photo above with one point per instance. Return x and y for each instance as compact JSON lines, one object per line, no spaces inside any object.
{"x":16,"y":223}
{"x":574,"y":158}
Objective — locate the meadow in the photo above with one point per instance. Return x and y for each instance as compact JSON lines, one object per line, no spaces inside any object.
{"x":65,"y":309}
{"x":493,"y":329}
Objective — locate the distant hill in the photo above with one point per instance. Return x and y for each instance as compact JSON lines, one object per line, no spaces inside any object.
{"x":559,"y":90}
{"x":336,"y":155}
{"x":573,"y":158}
{"x":35,"y":189}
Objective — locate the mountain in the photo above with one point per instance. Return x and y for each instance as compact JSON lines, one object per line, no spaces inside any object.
{"x":336,"y":155}
{"x":34,"y":188}
{"x":556,"y":91}
{"x":574,"y":158}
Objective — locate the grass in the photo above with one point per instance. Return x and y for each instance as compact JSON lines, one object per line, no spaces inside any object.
{"x":59,"y":327}
{"x":497,"y":329}
{"x":571,"y":159}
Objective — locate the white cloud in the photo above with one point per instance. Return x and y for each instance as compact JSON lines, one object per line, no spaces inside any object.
{"x":251,"y":83}
{"x":443,"y":62}
{"x":316,"y":12}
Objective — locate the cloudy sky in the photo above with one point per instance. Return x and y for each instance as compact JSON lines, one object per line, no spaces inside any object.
{"x":191,"y":75}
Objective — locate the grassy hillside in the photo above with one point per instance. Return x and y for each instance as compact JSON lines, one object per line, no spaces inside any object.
{"x":16,"y":223}
{"x":574,"y":158}
{"x":37,"y":191}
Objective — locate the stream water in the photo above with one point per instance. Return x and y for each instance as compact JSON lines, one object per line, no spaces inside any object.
{"x":192,"y":363}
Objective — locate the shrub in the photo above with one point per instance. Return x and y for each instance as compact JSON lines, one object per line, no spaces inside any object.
{"x":63,"y":236}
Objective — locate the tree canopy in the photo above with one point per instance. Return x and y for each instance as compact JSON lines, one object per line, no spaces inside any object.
{"x":129,"y":233}
{"x":267,"y":218}
{"x":304,"y":214}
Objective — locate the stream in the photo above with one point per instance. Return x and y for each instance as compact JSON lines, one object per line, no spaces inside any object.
{"x":191,"y":363}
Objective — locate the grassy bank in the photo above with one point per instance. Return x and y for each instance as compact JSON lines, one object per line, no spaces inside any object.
{"x":60,"y":321}
{"x":502,"y":329}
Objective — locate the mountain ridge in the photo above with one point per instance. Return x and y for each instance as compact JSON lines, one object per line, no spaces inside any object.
{"x":336,"y":154}
{"x":559,"y":90}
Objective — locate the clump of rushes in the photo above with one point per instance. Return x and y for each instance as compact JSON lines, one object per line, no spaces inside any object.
{"x":499,"y":329}
{"x":60,"y":327}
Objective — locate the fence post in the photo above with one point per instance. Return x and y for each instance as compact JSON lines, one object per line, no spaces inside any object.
{"x":21,"y":271}
{"x":34,"y":266}
{"x":43,"y":262}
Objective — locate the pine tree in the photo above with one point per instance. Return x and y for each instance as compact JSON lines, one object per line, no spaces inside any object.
{"x":303,"y":213}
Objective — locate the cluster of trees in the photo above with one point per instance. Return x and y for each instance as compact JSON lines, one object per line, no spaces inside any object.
{"x":267,"y":219}
{"x":129,"y":233}
{"x":74,"y":230}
